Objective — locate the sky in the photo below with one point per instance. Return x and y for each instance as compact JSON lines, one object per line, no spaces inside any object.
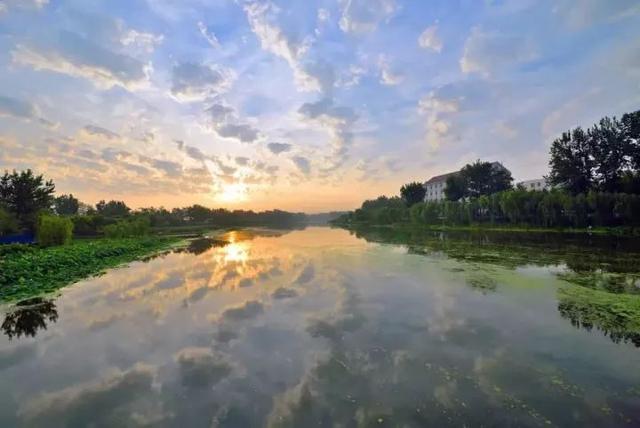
{"x":310,"y":105}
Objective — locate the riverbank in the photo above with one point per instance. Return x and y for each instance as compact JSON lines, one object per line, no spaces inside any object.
{"x":605,"y":231}
{"x":28,"y":270}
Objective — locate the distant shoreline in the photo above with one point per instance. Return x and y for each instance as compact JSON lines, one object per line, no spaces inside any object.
{"x":606,"y":231}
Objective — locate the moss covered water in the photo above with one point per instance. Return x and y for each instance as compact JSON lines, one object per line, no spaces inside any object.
{"x":327,"y":327}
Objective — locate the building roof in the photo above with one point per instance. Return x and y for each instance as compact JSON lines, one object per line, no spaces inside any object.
{"x":442,"y":177}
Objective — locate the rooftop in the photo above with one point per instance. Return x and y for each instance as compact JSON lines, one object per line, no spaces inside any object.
{"x":442,"y":177}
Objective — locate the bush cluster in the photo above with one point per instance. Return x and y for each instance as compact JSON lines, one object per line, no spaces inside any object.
{"x":554,"y":208}
{"x":53,"y":230}
{"x":128,"y":228}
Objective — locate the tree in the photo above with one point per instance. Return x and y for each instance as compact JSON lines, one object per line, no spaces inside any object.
{"x":572,"y":162}
{"x":478,"y":179}
{"x":66,"y":205}
{"x":24,"y":194}
{"x":630,"y":123}
{"x":611,"y":153}
{"x":412,"y":193}
{"x":456,"y":187}
{"x":112,"y":209}
{"x":8,"y":222}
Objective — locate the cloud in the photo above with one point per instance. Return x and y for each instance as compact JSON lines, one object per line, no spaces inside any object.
{"x":242,"y":161}
{"x":364,"y":16}
{"x":437,"y":109}
{"x":102,"y":132}
{"x":429,"y":39}
{"x":147,"y":42}
{"x":302,"y":164}
{"x":209,"y":35}
{"x":196,"y":82}
{"x":307,"y":275}
{"x":387,"y":76}
{"x":27,"y":4}
{"x":85,"y":404}
{"x":249,"y":310}
{"x":488,"y":52}
{"x":277,"y":148}
{"x":243,"y":132}
{"x":74,"y":55}
{"x":201,"y":367}
{"x":284,"y":293}
{"x":592,"y":12}
{"x":21,"y":109}
{"x":224,"y":121}
{"x":338,"y":121}
{"x":312,"y":76}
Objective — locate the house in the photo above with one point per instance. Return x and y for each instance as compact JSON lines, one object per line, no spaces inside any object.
{"x":434,"y":187}
{"x":537,"y":184}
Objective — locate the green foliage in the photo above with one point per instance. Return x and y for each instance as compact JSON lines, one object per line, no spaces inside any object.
{"x":604,"y":158}
{"x":25,"y":195}
{"x":66,"y":205}
{"x":27,"y":270}
{"x":478,"y":179}
{"x":53,"y":230}
{"x":485,"y":178}
{"x":455,"y":188}
{"x":412,"y":193}
{"x":139,"y":226}
{"x":88,"y":225}
{"x":551,"y":209}
{"x":8,"y":222}
{"x":112,"y":209}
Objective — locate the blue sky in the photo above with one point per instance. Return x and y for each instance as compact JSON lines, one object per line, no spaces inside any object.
{"x":302,"y":105}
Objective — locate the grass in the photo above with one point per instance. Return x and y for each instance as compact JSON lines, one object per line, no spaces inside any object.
{"x":27,"y":271}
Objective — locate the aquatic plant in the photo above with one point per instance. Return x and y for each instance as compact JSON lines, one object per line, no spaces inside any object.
{"x":27,"y":271}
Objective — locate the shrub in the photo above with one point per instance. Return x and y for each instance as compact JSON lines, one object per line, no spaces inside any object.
{"x":87,"y":225}
{"x":8,"y":223}
{"x":52,"y":230}
{"x":128,"y":228}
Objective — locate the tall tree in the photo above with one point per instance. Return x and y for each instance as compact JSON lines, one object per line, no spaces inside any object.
{"x":66,"y":205}
{"x":24,"y":194}
{"x":112,"y":208}
{"x":485,"y":178}
{"x":572,"y":162}
{"x":630,"y":123}
{"x":412,"y":193}
{"x":456,"y":187}
{"x":611,"y":153}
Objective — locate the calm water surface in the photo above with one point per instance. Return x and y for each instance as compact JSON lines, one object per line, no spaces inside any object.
{"x":319,"y":327}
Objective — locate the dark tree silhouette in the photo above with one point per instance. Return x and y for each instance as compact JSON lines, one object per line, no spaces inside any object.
{"x":29,"y":317}
{"x":112,"y":209}
{"x":456,"y":188}
{"x":66,"y":205}
{"x":24,"y":194}
{"x":412,"y":193}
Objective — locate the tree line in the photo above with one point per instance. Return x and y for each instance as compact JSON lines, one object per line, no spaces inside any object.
{"x":594,"y":178}
{"x":28,"y":202}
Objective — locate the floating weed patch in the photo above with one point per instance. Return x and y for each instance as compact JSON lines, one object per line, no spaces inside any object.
{"x":28,"y":271}
{"x":482,"y":282}
{"x":616,"y":315}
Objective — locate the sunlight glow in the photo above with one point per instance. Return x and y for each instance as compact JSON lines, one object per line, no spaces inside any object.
{"x":231,"y":193}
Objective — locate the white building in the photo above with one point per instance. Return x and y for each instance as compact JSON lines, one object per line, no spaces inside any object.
{"x":537,"y":184}
{"x":435,"y":186}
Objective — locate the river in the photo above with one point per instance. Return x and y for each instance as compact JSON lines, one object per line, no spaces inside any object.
{"x":326,"y":327}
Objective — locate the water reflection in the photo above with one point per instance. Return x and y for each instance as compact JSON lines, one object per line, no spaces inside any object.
{"x":319,"y":328}
{"x":28,"y":317}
